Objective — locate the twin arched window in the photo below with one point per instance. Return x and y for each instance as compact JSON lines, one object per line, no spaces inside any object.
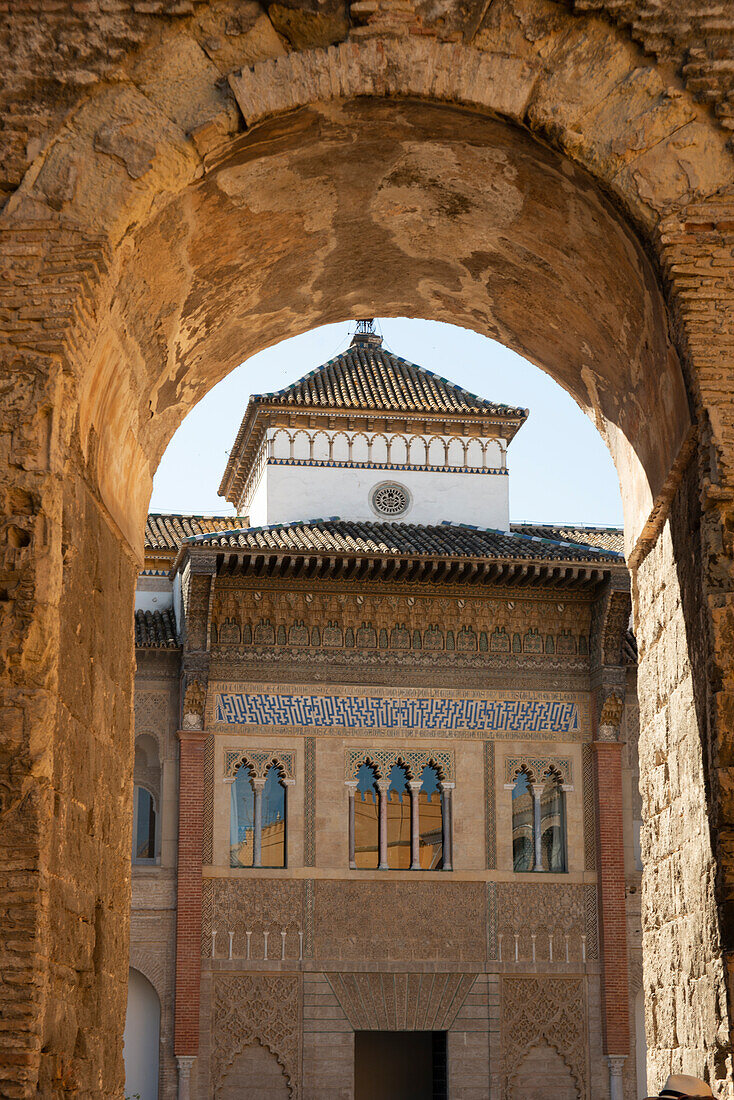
{"x":257,"y":822}
{"x":399,"y":823}
{"x":538,"y":824}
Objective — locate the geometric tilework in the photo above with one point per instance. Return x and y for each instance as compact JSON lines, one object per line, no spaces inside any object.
{"x":364,"y":712}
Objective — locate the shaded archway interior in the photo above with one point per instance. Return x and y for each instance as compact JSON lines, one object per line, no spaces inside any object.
{"x":376,"y":207}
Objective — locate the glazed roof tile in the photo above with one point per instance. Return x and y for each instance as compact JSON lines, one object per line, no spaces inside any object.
{"x":155,"y":629}
{"x":602,"y":538}
{"x":164,"y":531}
{"x":367,"y":376}
{"x":409,"y":539}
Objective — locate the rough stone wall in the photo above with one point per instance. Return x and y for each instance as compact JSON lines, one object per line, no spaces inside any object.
{"x":156,"y":108}
{"x":680,"y":890}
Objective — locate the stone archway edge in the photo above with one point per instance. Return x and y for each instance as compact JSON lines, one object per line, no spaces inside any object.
{"x":652,"y":181}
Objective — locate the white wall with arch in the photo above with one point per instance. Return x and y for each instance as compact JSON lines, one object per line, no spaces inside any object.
{"x":141,"y":1048}
{"x":461,"y":480}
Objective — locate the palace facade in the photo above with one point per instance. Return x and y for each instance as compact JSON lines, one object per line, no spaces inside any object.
{"x":386,"y":807}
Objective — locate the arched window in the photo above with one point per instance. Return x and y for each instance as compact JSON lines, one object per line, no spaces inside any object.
{"x":146,"y":800}
{"x":398,"y":819}
{"x":522,"y":825}
{"x":430,"y":806}
{"x":366,"y":852}
{"x":539,"y":823}
{"x":145,"y":832}
{"x":552,"y":827}
{"x":257,"y":821}
{"x":242,"y":819}
{"x":273,"y":819}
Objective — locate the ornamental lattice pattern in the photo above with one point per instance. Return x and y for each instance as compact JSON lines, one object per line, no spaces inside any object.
{"x":589,"y":802}
{"x":309,"y":802}
{"x":259,"y":762}
{"x":490,"y":806}
{"x":551,"y":1010}
{"x":539,"y":768}
{"x":384,"y":760}
{"x":253,"y":1008}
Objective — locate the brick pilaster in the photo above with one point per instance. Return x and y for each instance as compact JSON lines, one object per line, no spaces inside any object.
{"x":188,"y":915}
{"x":611,"y":893}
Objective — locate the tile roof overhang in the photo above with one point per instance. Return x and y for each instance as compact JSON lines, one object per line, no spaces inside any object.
{"x":363,"y":383}
{"x":165,"y":531}
{"x":156,"y":630}
{"x":401,"y":553}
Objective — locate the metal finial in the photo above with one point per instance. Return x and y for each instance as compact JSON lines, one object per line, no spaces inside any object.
{"x":366,"y":327}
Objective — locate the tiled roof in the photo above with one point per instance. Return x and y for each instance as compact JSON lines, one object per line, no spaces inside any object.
{"x":410,"y":539}
{"x":155,"y":629}
{"x":603,"y":538}
{"x":167,"y":532}
{"x":368,"y":376}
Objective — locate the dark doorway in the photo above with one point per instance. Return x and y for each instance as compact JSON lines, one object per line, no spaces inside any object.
{"x":400,"y":1065}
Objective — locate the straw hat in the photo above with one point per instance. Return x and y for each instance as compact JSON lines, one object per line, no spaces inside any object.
{"x":680,"y":1086}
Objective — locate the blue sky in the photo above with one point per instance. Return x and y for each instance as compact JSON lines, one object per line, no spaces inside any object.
{"x":560,"y":470}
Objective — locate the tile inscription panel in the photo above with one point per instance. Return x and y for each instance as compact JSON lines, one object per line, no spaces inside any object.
{"x":556,"y":715}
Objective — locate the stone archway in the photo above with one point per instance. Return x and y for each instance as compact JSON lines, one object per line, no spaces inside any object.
{"x":166,"y":231}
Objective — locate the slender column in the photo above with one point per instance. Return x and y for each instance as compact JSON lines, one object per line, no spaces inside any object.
{"x":383,"y":786}
{"x":257,"y":840}
{"x":611,"y":893}
{"x":447,"y":826}
{"x":184,"y":1063}
{"x":351,"y":791}
{"x":537,"y":789}
{"x":188,"y":910}
{"x":415,"y":825}
{"x":616,"y":1084}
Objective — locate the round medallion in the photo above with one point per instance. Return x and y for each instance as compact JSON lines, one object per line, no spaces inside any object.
{"x":390,"y":500}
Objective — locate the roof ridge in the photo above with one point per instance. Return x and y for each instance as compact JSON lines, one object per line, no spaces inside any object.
{"x":356,"y":358}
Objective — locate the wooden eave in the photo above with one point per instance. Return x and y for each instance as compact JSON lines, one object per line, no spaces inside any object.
{"x":314,"y":565}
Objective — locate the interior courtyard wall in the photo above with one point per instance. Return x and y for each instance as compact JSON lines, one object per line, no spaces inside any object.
{"x":49,"y":332}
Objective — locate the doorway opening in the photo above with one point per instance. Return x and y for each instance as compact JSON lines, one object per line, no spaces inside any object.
{"x":400,"y":1065}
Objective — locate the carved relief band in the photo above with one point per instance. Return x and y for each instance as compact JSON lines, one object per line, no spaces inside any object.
{"x":399,"y":921}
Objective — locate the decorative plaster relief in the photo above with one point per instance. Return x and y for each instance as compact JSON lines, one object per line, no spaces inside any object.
{"x":560,"y":917}
{"x":539,"y":768}
{"x":401,"y":1002}
{"x":383,"y":760}
{"x":257,"y":906}
{"x":253,"y":1008}
{"x":490,"y":807}
{"x":259,"y":762}
{"x":544,"y":1010}
{"x":399,"y":921}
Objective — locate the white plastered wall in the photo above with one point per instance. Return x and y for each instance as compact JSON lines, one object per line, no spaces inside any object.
{"x":289,"y":491}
